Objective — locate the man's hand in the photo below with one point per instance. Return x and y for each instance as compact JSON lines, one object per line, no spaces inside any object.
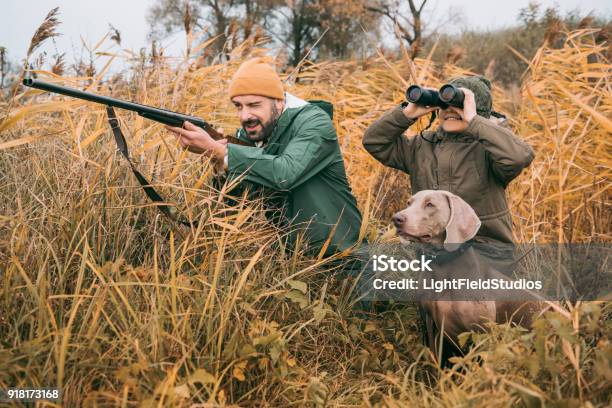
{"x":469,"y":105}
{"x":196,"y":140}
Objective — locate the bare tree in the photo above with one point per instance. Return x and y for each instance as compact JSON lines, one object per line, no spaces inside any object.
{"x":3,"y":66}
{"x":296,"y":26}
{"x":345,"y":21}
{"x":301,"y":26}
{"x":409,"y":22}
{"x":220,"y":19}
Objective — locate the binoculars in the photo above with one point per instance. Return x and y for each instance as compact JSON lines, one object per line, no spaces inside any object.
{"x":448,"y":95}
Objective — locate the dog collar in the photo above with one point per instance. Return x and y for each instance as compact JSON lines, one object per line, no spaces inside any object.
{"x":442,"y":256}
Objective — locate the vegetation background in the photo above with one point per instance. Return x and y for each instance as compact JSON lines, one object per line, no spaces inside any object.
{"x":117,"y":306}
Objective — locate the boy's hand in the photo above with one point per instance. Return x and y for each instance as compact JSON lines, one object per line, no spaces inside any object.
{"x":469,"y":105}
{"x":196,"y":140}
{"x":413,"y":111}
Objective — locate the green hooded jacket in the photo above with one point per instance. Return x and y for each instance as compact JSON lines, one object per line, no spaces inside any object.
{"x":302,"y":169}
{"x":476,"y":165}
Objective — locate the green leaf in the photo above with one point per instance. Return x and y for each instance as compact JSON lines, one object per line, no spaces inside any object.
{"x":463,"y":338}
{"x":275,"y":353}
{"x":202,"y":376}
{"x":247,"y":350}
{"x":265,"y":340}
{"x":297,"y":297}
{"x":533,"y":365}
{"x":319,"y":313}
{"x":298,"y":285}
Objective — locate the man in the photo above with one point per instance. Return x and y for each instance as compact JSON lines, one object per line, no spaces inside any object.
{"x":293,"y":153}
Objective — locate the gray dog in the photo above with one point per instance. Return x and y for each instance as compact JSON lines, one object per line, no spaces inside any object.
{"x":444,"y":221}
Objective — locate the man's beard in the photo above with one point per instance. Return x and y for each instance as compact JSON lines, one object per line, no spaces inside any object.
{"x":266,"y":128}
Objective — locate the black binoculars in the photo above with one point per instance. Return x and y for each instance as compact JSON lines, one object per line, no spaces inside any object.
{"x":448,"y":95}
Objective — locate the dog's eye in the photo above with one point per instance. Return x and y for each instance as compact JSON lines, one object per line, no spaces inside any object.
{"x":429,"y":205}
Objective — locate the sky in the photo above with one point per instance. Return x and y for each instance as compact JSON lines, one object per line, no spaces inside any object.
{"x":89,"y":20}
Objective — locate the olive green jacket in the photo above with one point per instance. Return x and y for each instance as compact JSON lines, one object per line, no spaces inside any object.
{"x":301,"y":170}
{"x":476,"y":165}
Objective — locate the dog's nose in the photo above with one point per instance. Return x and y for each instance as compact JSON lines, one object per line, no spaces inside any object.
{"x":398,"y":219}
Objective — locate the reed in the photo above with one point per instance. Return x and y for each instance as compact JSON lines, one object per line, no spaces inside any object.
{"x":101,"y":296}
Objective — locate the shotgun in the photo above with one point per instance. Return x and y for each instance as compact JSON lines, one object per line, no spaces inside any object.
{"x":159,"y":115}
{"x":149,"y":112}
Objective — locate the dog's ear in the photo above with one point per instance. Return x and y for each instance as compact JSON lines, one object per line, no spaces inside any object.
{"x":463,"y":223}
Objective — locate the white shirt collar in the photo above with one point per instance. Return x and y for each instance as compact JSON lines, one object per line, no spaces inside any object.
{"x":292,"y":101}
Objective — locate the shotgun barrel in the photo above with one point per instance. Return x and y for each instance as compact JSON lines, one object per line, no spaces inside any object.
{"x":159,"y":115}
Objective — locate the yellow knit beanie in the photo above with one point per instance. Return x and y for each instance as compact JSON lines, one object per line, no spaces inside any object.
{"x":256,"y":77}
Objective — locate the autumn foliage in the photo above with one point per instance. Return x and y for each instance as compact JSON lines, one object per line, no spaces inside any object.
{"x":104,"y":298}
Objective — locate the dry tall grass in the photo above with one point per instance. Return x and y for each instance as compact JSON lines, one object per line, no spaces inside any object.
{"x":102,"y":297}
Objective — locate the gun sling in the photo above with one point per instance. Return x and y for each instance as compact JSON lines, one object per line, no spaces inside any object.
{"x":147,"y":187}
